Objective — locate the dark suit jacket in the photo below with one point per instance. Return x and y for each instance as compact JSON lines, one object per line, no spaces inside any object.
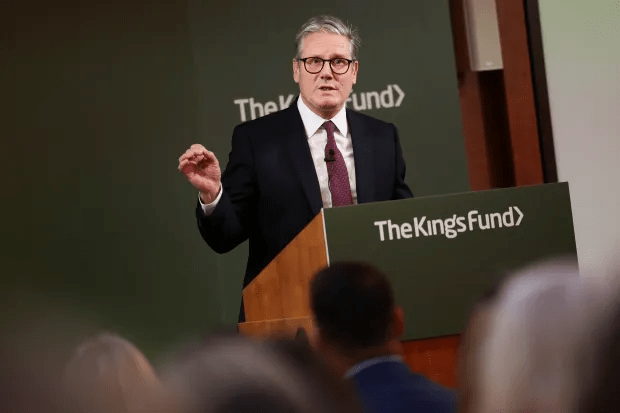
{"x":390,"y":387}
{"x":271,"y":190}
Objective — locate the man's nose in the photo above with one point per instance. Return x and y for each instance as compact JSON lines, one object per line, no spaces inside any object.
{"x":326,"y":71}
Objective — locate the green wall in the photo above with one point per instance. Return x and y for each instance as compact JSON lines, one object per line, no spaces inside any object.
{"x":97,"y":216}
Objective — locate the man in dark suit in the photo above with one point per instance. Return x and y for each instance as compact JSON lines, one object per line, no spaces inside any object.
{"x":356,"y":330}
{"x":284,"y":167}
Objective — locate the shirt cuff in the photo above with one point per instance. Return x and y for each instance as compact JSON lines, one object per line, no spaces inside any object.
{"x":208,"y":209}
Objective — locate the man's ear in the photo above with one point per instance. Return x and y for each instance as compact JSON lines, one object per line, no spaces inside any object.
{"x":295,"y":70}
{"x":355,"y":69}
{"x":398,"y":322}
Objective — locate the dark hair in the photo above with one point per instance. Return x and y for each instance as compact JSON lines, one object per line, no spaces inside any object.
{"x":353,"y":304}
{"x":235,"y":374}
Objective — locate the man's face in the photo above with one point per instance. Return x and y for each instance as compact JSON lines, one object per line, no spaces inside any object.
{"x":325,"y":92}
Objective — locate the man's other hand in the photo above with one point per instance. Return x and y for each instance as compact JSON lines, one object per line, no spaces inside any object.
{"x":202,"y":170}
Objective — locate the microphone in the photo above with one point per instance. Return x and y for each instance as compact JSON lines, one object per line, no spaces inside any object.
{"x":330,"y":157}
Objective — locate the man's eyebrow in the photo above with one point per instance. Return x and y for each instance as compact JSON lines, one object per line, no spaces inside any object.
{"x":332,"y":56}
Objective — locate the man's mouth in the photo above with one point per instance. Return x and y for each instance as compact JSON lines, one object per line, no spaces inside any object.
{"x":327,"y":88}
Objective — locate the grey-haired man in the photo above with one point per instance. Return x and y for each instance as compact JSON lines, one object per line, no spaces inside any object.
{"x":284,"y":167}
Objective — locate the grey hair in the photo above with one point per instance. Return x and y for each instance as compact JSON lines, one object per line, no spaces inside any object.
{"x":237,"y":374}
{"x":541,"y":343}
{"x":328,"y":24}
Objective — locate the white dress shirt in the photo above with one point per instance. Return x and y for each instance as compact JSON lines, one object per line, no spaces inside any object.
{"x":317,"y":139}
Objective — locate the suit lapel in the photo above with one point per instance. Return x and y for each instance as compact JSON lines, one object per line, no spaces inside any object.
{"x":363,"y":155}
{"x":301,"y":158}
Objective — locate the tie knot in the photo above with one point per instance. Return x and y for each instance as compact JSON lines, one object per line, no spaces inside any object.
{"x":329,"y":127}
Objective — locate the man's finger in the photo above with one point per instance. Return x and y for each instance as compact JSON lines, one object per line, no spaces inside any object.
{"x":189,"y":153}
{"x":186,"y":155}
{"x":199,"y":161}
{"x":198,"y":148}
{"x":183,"y":164}
{"x":210,"y":156}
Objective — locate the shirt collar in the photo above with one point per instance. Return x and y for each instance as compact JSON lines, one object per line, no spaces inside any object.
{"x":371,"y":362}
{"x":312,"y":121}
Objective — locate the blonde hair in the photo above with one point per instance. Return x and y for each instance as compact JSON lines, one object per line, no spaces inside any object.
{"x":109,"y":374}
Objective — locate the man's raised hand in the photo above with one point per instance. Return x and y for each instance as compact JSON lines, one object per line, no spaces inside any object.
{"x":202,"y":170}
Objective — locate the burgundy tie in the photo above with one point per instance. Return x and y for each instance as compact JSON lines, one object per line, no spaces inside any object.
{"x":336,"y":170}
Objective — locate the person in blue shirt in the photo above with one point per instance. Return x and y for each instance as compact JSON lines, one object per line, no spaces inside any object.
{"x":356,"y":331}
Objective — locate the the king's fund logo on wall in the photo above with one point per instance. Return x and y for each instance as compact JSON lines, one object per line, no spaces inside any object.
{"x":390,"y":97}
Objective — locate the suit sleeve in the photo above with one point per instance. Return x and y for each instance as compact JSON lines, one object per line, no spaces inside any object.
{"x":401,"y":189}
{"x":228,"y":225}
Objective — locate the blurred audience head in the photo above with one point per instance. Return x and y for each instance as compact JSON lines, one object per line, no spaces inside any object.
{"x":549,"y":343}
{"x":354,"y":313}
{"x":235,"y":374}
{"x":109,"y":374}
{"x":470,"y":348}
{"x":601,"y":394}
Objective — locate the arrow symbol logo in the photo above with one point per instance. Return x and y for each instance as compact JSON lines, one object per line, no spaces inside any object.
{"x":520,"y":216}
{"x":401,"y":95}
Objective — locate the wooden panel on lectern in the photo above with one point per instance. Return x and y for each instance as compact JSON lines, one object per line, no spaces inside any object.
{"x":436,"y":358}
{"x":281,"y":290}
{"x":282,"y":328}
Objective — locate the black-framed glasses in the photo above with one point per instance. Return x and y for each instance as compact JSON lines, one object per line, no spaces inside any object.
{"x":314,"y":65}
